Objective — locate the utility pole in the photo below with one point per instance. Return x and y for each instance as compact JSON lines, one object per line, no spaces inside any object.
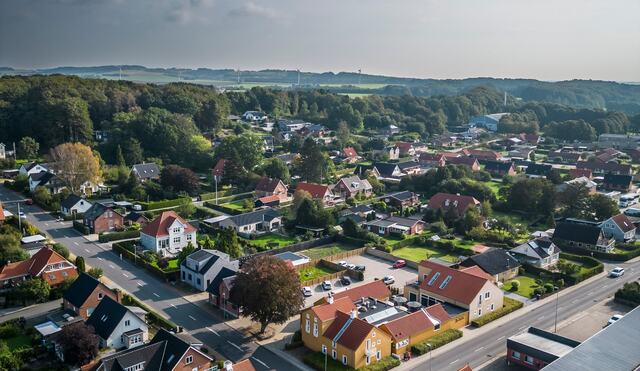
{"x":555,"y":323}
{"x":298,"y":77}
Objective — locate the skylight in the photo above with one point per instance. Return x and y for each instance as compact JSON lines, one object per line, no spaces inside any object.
{"x":434,"y":278}
{"x":444,"y":283}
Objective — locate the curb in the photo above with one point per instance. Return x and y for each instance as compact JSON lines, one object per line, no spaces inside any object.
{"x":288,"y":358}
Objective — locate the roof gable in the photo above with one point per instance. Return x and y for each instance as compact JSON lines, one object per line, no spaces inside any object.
{"x":493,"y":261}
{"x":326,"y":312}
{"x":267,"y":184}
{"x":80,"y":290}
{"x":376,"y":289}
{"x":315,"y":190}
{"x":416,"y":322}
{"x":106,"y":317}
{"x":161,"y":225}
{"x":451,"y":283}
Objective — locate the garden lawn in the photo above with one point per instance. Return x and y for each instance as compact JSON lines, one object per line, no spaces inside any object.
{"x":419,"y":253}
{"x":311,"y":273}
{"x":324,"y":251}
{"x":527,"y":285}
{"x":18,"y":342}
{"x":494,"y":186}
{"x":272,"y":237}
{"x":391,"y":240}
{"x":235,"y":205}
{"x":173,"y":265}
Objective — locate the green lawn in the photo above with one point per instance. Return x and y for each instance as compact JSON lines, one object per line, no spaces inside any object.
{"x":173,"y":265}
{"x":236,"y":205}
{"x":311,"y":273}
{"x":18,"y":342}
{"x":391,"y":240}
{"x":527,"y":285}
{"x":323,"y":251}
{"x":419,"y":253}
{"x":494,"y":186}
{"x":272,"y":237}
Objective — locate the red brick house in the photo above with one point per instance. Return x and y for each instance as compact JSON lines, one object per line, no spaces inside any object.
{"x":100,"y":218}
{"x":432,"y":159}
{"x":406,"y":148}
{"x":85,"y":293}
{"x":271,"y":187}
{"x":46,"y":264}
{"x":1,"y":214}
{"x":350,"y":155}
{"x":481,"y":154}
{"x":351,"y":186}
{"x":614,"y":182}
{"x":402,"y":199}
{"x":220,"y":289}
{"x":317,"y":191}
{"x":218,"y":170}
{"x":469,"y":162}
{"x":579,"y":173}
{"x":446,"y":201}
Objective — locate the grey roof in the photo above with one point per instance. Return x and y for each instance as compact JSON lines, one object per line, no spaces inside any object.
{"x":96,"y":210}
{"x":493,"y":261}
{"x":80,"y":289}
{"x":385,"y":169}
{"x":497,"y":166}
{"x":613,"y":348}
{"x":106,"y":317}
{"x":538,"y":169}
{"x":71,"y":201}
{"x":147,"y":170}
{"x":214,"y":286}
{"x":361,"y":208}
{"x":408,"y":164}
{"x":253,"y":217}
{"x":623,"y":180}
{"x":538,"y":248}
{"x":354,"y":179}
{"x":541,"y":344}
{"x":212,"y":255}
{"x":577,"y":231}
{"x":401,"y":196}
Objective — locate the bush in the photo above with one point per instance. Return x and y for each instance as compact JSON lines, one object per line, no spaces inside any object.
{"x":163,"y":263}
{"x":316,"y":361}
{"x":509,"y":306}
{"x":95,"y":272}
{"x":80,"y":264}
{"x":387,"y":363}
{"x":165,"y":203}
{"x":548,"y":287}
{"x":61,"y":249}
{"x":115,"y":236}
{"x":436,"y":341}
{"x":630,"y":292}
{"x":515,"y":285}
{"x":80,"y":227}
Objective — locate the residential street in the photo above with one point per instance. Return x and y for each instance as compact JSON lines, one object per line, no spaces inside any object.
{"x":162,"y":297}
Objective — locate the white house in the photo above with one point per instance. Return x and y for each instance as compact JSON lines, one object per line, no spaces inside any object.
{"x":540,"y":252}
{"x":255,"y":222}
{"x":254,"y":116}
{"x":30,"y":168}
{"x":168,"y":234}
{"x":117,"y":326}
{"x":46,"y":179}
{"x":489,"y":122}
{"x":74,"y":205}
{"x":202,"y":266}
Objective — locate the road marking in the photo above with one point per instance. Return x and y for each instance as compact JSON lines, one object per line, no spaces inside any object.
{"x":235,"y":345}
{"x":260,"y":362}
{"x":157,"y":296}
{"x":522,"y":328}
{"x":190,"y":316}
{"x":87,"y":250}
{"x":560,"y":308}
{"x":539,"y":318}
{"x":452,"y":362}
{"x":46,"y":224}
{"x":589,"y":293}
{"x":173,"y":305}
{"x":214,"y":331}
{"x":573,"y":301}
{"x":111,"y":266}
{"x":75,"y":243}
{"x":500,"y":338}
{"x":99,"y":258}
{"x":605,"y":286}
{"x":140,"y":284}
{"x":124,"y":274}
{"x":479,"y":349}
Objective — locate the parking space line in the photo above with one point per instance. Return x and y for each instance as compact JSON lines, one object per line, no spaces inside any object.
{"x":260,"y":362}
{"x":190,"y":316}
{"x":214,"y":331}
{"x":156,"y":295}
{"x":87,"y":250}
{"x":111,"y":266}
{"x":124,"y":274}
{"x":235,"y":345}
{"x":500,"y":338}
{"x":140,"y":284}
{"x":173,"y":305}
{"x":99,"y":258}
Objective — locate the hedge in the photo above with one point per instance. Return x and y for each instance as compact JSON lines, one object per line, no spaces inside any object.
{"x":316,"y":361}
{"x":593,"y":267}
{"x":629,"y":293}
{"x":165,"y":203}
{"x":152,"y":317}
{"x":436,"y":341}
{"x":627,"y":255}
{"x":125,"y":248}
{"x":80,"y":227}
{"x":221,"y":208}
{"x":509,"y":306}
{"x":387,"y":363}
{"x":115,"y":236}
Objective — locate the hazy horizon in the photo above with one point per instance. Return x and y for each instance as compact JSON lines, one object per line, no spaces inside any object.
{"x":545,"y":40}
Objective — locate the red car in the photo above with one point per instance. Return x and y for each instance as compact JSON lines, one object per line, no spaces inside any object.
{"x":28,"y":201}
{"x":399,"y":264}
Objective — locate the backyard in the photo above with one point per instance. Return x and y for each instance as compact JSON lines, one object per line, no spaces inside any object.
{"x":418,"y":253}
{"x":311,"y":273}
{"x":272,"y":239}
{"x":527,"y":285}
{"x":238,"y":205}
{"x":327,"y":250}
{"x":173,"y":265}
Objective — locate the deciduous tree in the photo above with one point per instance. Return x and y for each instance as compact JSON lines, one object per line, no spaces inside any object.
{"x":75,"y":164}
{"x":28,"y":148}
{"x":79,"y":343}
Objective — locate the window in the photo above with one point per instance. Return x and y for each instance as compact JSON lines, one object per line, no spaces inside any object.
{"x":368,"y":359}
{"x":64,"y":274}
{"x":368,"y":343}
{"x":315,"y":329}
{"x":515,"y":354}
{"x":307,"y":326}
{"x":189,"y":237}
{"x":487,"y":294}
{"x":198,"y":280}
{"x":445,"y":282}
{"x":379,"y":355}
{"x":100,"y":296}
{"x":136,"y":367}
{"x":334,"y":354}
{"x":480,"y":299}
{"x":492,"y":307}
{"x":127,"y":323}
{"x":176,"y":240}
{"x":528,"y":359}
{"x":373,"y":334}
{"x":434,"y":278}
{"x":379,"y":342}
{"x":479,"y":312}
{"x":324,"y":349}
{"x":176,"y":230}
{"x":188,"y":360}
{"x":344,"y":359}
{"x":437,"y":326}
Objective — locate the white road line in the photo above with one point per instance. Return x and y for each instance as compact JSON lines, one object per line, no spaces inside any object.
{"x":140,"y":284}
{"x":605,"y":286}
{"x":521,"y":328}
{"x":235,"y":346}
{"x":190,"y":316}
{"x":173,"y":305}
{"x":157,"y":296}
{"x":46,"y":224}
{"x":111,"y":266}
{"x":573,"y":301}
{"x":99,"y":258}
{"x":479,"y":349}
{"x":214,"y":331}
{"x":500,"y":338}
{"x":260,"y":362}
{"x":124,"y":274}
{"x":87,"y":250}
{"x":539,"y":318}
{"x":589,"y":293}
{"x":452,"y":362}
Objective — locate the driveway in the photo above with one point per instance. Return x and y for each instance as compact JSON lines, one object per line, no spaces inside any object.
{"x":378,"y":268}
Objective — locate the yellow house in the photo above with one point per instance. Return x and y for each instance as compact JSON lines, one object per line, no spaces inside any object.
{"x":314,"y":321}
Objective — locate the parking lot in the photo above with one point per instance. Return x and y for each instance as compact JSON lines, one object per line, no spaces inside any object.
{"x":375,"y":268}
{"x":586,"y":324}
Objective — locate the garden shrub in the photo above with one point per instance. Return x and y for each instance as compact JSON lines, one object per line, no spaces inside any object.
{"x":509,"y":306}
{"x":436,"y":341}
{"x":387,"y":363}
{"x":515,"y":285}
{"x":114,"y":236}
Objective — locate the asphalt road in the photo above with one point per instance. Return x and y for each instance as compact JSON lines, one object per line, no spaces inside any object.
{"x":163,"y":298}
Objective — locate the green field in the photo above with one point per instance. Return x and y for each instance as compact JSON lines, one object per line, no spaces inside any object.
{"x":527,"y":285}
{"x":323,"y":251}
{"x":311,"y":273}
{"x":419,"y":253}
{"x":271,"y":237}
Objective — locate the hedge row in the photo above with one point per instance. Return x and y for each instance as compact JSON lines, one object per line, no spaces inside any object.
{"x":212,"y":195}
{"x":125,"y":248}
{"x":387,"y":363}
{"x":436,"y":341}
{"x":224,"y":209}
{"x":80,"y":227}
{"x":316,"y":361}
{"x":509,"y":306}
{"x":152,"y":317}
{"x":620,"y":257}
{"x":115,"y":236}
{"x":165,"y":203}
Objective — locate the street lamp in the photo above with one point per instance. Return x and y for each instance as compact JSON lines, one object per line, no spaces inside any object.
{"x":224,"y":306}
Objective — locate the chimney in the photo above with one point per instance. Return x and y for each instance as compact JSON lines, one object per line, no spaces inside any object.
{"x":353,"y":314}
{"x":330,"y":298}
{"x":118,"y":295}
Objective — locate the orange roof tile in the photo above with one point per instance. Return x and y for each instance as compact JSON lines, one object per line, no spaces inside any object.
{"x":376,"y":289}
{"x":355,"y":333}
{"x":1,"y":213}
{"x":160,"y":225}
{"x":462,"y":286}
{"x":35,"y":265}
{"x":267,"y":184}
{"x":244,"y":365}
{"x":327,"y":311}
{"x":350,"y":152}
{"x":461,"y":203}
{"x":416,"y":322}
{"x":476,"y":271}
{"x":315,"y":190}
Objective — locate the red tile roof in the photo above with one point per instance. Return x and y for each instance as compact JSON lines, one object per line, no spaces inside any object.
{"x":315,"y":190}
{"x":431,"y":157}
{"x":404,"y":146}
{"x":328,"y":311}
{"x":244,"y":365}
{"x":466,"y":368}
{"x":160,"y":225}
{"x":35,"y":265}
{"x":476,"y":271}
{"x":218,"y":170}
{"x":269,"y":199}
{"x":462,"y":287}
{"x":623,"y":222}
{"x":479,"y":249}
{"x":355,"y":333}
{"x":1,"y":213}
{"x":376,"y":289}
{"x":267,"y":184}
{"x":449,"y":154}
{"x":446,"y":200}
{"x":350,"y":152}
{"x":577,"y":173}
{"x":416,"y":322}
{"x":482,"y":154}
{"x":467,"y":161}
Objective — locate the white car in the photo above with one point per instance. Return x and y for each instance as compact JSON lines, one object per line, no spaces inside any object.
{"x":351,"y":266}
{"x":614,"y":318}
{"x":306,"y":291}
{"x":326,"y":285}
{"x":22,"y":215}
{"x":342,"y":263}
{"x":616,"y":272}
{"x":388,"y":280}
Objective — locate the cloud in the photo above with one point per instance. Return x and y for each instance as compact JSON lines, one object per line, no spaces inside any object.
{"x":187,"y":11}
{"x":251,"y":9}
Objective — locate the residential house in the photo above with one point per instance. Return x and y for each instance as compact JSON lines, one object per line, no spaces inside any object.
{"x":268,"y":143}
{"x":482,"y":154}
{"x":634,"y":154}
{"x":495,"y":262}
{"x":538,"y":170}
{"x":540,"y":252}
{"x":446,"y":201}
{"x":85,"y":294}
{"x":218,"y":171}
{"x":2,"y":217}
{"x":202,"y":266}
{"x":402,"y":199}
{"x":375,"y":289}
{"x":607,"y":155}
{"x":136,"y":218}
{"x":416,"y":327}
{"x":432,"y":159}
{"x":489,"y":122}
{"x":350,"y":155}
{"x":358,"y":213}
{"x":117,"y":326}
{"x":470,"y":289}
{"x":100,"y":218}
{"x":255,"y":222}
{"x":469,"y":162}
{"x":410,"y":167}
{"x":395,"y":225}
{"x":146,"y":171}
{"x":270,"y":201}
{"x":536,"y":348}
{"x":500,"y":168}
{"x":271,"y":187}
{"x":30,"y":168}
{"x":605,"y":167}
{"x":220,"y":288}
{"x":166,"y":351}
{"x":585,"y":182}
{"x":615,"y":182}
{"x":529,"y":138}
{"x":582,"y":234}
{"x":318,"y":192}
{"x":620,"y":141}
{"x":254,"y":116}
{"x":579,"y":173}
{"x":74,"y":205}
{"x":406,"y":149}
{"x":48,"y":180}
{"x":620,"y":228}
{"x":521,"y":152}
{"x":46,"y":264}
{"x":565,"y":157}
{"x":168,"y":234}
{"x":288,"y":158}
{"x":352,"y":186}
{"x":390,"y":130}
{"x":391,"y":152}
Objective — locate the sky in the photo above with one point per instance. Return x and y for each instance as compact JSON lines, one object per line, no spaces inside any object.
{"x":541,"y":39}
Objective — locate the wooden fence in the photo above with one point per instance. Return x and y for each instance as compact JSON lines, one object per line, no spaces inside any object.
{"x":390,"y":257}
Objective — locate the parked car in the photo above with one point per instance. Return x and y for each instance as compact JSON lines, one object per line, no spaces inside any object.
{"x":613,"y":319}
{"x":388,"y":280}
{"x":346,"y":281}
{"x":360,"y":268}
{"x":22,"y":215}
{"x":326,"y":285}
{"x":616,"y":272}
{"x":351,"y":266}
{"x":137,"y":207}
{"x":28,"y":201}
{"x":306,"y":291}
{"x":399,"y":263}
{"x":342,"y":263}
